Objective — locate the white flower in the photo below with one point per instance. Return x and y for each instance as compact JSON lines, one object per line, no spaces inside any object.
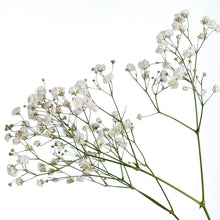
{"x":163,"y":35}
{"x":16,"y":111}
{"x":212,"y":24}
{"x":60,"y":146}
{"x":161,"y":47}
{"x":217,"y":29}
{"x":130,"y":67}
{"x":123,"y":144}
{"x":127,"y":123}
{"x":179,"y":18}
{"x":203,"y":92}
{"x":189,"y":52}
{"x":48,"y":119}
{"x":70,"y":180}
{"x":185,"y":88}
{"x":23,"y":159}
{"x":7,"y":137}
{"x":40,"y":183}
{"x":215,"y":88}
{"x":108,"y":78}
{"x":205,"y":20}
{"x":144,"y":64}
{"x":16,"y":140}
{"x":166,"y":64}
{"x":11,"y":170}
{"x":41,"y":167}
{"x":100,"y":67}
{"x":173,"y":84}
{"x":57,"y":91}
{"x":163,"y":76}
{"x":37,"y":143}
{"x":19,"y":181}
{"x":146,"y":74}
{"x":178,"y":73}
{"x":185,"y":13}
{"x":80,"y":87}
{"x":80,"y":178}
{"x":79,"y":138}
{"x":176,"y":25}
{"x":78,"y":102}
{"x":41,"y":92}
{"x":139,"y":116}
{"x":202,"y":36}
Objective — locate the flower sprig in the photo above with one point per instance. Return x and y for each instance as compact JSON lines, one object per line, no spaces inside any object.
{"x":68,"y":136}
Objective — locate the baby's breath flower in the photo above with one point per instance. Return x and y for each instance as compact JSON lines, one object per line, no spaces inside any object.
{"x":23,"y":159}
{"x":79,"y":138}
{"x":130,"y":67}
{"x":144,"y":64}
{"x":108,"y":78}
{"x":70,"y":180}
{"x":19,"y":181}
{"x":179,"y":73}
{"x":139,"y":116}
{"x":11,"y":170}
{"x":173,"y":84}
{"x":100,"y":67}
{"x":215,"y":88}
{"x":16,"y":111}
{"x":41,"y":167}
{"x":203,"y":92}
{"x":185,"y":88}
{"x":205,"y":20}
{"x":40,"y":183}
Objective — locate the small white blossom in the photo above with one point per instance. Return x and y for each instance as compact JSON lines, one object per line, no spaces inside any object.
{"x":203,"y":92}
{"x":215,"y":88}
{"x":185,"y":13}
{"x":41,"y":92}
{"x":161,"y":47}
{"x":190,"y":51}
{"x":80,"y":179}
{"x":37,"y":143}
{"x":7,"y":137}
{"x":202,"y":36}
{"x":217,"y":29}
{"x":16,"y":140}
{"x":11,"y":170}
{"x":163,"y":35}
{"x":19,"y":181}
{"x":166,"y":65}
{"x":57,"y":91}
{"x":144,"y":64}
{"x":100,"y":67}
{"x":41,"y":167}
{"x":16,"y":111}
{"x":108,"y":78}
{"x":128,"y":124}
{"x":212,"y":24}
{"x":40,"y":183}
{"x":178,"y":73}
{"x":79,"y":138}
{"x":130,"y":67}
{"x":205,"y":20}
{"x":139,"y":116}
{"x":185,"y":88}
{"x":23,"y":159}
{"x":123,"y":144}
{"x":173,"y":84}
{"x":164,"y":76}
{"x":70,"y":180}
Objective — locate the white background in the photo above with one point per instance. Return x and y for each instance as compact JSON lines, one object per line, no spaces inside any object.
{"x":60,"y":41}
